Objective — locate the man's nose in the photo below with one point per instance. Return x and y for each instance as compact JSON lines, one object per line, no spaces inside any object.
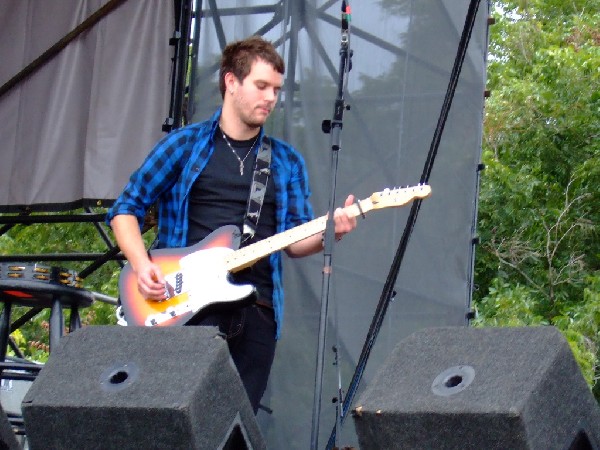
{"x":271,"y":95}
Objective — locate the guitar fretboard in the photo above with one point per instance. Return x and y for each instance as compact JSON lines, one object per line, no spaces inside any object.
{"x":245,"y":257}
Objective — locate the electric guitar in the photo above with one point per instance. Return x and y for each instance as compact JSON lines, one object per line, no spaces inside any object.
{"x":197,"y":277}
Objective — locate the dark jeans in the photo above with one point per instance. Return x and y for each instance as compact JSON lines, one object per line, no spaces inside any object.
{"x":250,"y":333}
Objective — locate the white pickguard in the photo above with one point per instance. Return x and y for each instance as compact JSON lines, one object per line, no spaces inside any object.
{"x":205,"y":279}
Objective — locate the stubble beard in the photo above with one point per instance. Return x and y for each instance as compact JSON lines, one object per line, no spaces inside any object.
{"x":253,"y":122}
{"x":251,"y":115}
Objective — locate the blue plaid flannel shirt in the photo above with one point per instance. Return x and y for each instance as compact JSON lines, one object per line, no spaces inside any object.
{"x":169,"y":171}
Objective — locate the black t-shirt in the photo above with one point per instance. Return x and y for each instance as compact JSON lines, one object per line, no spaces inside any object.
{"x":219,"y":197}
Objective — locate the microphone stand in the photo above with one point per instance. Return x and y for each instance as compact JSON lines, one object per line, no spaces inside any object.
{"x":334,"y":128}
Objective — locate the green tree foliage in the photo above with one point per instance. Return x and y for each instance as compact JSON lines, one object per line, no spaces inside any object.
{"x":539,"y":262}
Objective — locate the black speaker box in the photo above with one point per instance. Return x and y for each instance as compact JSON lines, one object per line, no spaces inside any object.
{"x":8,"y":440}
{"x":487,"y":388}
{"x":113,"y":387}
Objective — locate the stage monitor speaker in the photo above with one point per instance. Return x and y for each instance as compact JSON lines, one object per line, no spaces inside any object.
{"x":8,"y":440}
{"x":140,"y":387}
{"x":486,"y":388}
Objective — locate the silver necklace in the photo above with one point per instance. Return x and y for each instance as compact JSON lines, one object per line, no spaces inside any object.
{"x":241,"y":161}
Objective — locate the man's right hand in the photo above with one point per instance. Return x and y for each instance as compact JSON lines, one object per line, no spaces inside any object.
{"x":151,"y":282}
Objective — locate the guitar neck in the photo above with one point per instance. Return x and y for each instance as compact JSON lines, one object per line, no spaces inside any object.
{"x":247,"y":256}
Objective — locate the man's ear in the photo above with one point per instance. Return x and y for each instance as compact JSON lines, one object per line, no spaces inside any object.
{"x":231,"y":82}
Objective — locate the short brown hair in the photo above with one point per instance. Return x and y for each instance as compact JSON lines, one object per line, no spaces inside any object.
{"x":238,"y":57}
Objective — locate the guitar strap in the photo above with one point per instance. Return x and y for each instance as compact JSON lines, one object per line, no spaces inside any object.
{"x":262,"y":170}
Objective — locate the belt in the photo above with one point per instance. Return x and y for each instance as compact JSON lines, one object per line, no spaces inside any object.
{"x":264,"y":303}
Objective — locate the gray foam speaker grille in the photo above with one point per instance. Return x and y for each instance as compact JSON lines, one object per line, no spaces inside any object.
{"x":139,"y":387}
{"x":8,"y":440}
{"x":467,"y":388}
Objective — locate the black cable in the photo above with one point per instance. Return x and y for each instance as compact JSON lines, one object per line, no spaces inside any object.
{"x":388,"y":290}
{"x":49,"y":54}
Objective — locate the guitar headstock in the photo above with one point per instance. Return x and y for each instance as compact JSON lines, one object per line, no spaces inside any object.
{"x":399,"y":196}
